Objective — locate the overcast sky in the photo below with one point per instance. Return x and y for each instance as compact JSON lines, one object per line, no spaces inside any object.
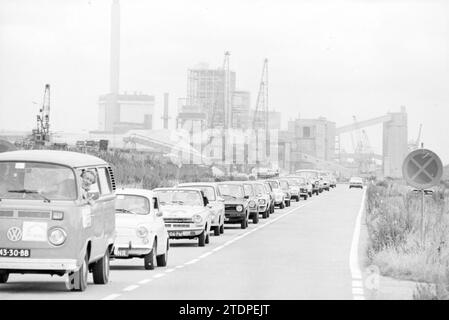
{"x":326,"y":58}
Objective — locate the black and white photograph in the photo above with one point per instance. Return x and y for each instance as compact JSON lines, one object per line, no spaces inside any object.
{"x":224,"y":155}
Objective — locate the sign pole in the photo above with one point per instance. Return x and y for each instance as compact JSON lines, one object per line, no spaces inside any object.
{"x":423,"y":226}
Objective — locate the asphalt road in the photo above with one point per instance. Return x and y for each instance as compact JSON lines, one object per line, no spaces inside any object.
{"x":300,"y":252}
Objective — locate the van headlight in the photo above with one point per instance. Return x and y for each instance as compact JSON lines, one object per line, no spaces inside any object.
{"x":239,"y":208}
{"x":197,"y":218}
{"x":262,"y":202}
{"x":57,"y":236}
{"x":252,"y":204}
{"x":142,"y":232}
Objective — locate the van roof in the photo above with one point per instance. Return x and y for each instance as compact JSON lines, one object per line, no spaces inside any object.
{"x":67,"y":158}
{"x":135,"y":191}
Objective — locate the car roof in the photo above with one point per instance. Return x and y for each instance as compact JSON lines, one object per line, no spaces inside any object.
{"x":176,"y":189}
{"x":186,"y":184}
{"x":67,"y":158}
{"x":232,"y":182}
{"x":135,"y":191}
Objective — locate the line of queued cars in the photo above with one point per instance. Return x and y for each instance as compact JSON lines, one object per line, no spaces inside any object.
{"x":62,"y":214}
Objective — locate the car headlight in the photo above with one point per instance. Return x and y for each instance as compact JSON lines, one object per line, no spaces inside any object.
{"x":197,"y":218}
{"x":57,"y":236}
{"x":142,"y":232}
{"x":262,"y":202}
{"x":252,"y":204}
{"x":239,"y":208}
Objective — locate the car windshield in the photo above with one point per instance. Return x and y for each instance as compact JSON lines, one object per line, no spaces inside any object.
{"x":267,"y":186}
{"x":180,"y":197}
{"x":284,"y":184}
{"x":357,"y":180}
{"x":293,"y":182}
{"x":36,"y":181}
{"x":231,"y":190}
{"x":259,"y":188}
{"x":274,"y":184}
{"x":132,"y":204}
{"x":249,"y":191}
{"x":207,"y":190}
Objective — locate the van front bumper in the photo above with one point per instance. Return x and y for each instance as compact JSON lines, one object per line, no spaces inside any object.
{"x":38,"y":264}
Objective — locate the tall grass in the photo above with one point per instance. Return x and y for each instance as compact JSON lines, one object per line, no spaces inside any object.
{"x":395,"y":245}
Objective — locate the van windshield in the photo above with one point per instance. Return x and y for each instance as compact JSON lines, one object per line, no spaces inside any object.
{"x":36,"y":181}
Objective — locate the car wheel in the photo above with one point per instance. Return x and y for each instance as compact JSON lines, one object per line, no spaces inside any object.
{"x":256,"y":218}
{"x":222,"y":228}
{"x":149,"y":260}
{"x":306,"y":197}
{"x":265,"y":214}
{"x":78,"y":279}
{"x":202,"y":239}
{"x":217,"y":231}
{"x":207,"y":240}
{"x":100,"y":269}
{"x":272,"y":208}
{"x":282,"y":205}
{"x":163,"y":258}
{"x":4,"y":276}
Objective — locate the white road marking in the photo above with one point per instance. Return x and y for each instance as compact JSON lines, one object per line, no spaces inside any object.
{"x":145,"y":281}
{"x":356,"y":273}
{"x":112,"y":296}
{"x":131,"y":288}
{"x":160,"y":275}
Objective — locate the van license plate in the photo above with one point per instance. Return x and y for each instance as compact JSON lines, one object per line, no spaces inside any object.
{"x":15,"y":253}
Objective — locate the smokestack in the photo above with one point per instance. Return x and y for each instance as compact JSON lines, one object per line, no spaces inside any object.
{"x":115,"y":47}
{"x":165,"y":117}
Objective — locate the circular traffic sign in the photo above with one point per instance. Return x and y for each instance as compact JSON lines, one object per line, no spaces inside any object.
{"x":422,"y":169}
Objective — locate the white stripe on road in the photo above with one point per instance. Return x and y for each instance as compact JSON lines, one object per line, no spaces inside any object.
{"x":159,"y":275}
{"x":112,"y":296}
{"x":169,"y":270}
{"x":145,"y":281}
{"x":131,"y":288}
{"x":356,"y":273}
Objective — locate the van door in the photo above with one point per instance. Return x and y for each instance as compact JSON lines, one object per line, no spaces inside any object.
{"x":107,"y":207}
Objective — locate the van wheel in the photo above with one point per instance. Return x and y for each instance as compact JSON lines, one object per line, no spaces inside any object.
{"x":4,"y":276}
{"x":202,"y":239}
{"x":222,"y":228}
{"x":100,"y":269}
{"x":78,"y":279}
{"x":149,"y":260}
{"x":244,"y":224}
{"x":163,"y":258}
{"x":217,"y":231}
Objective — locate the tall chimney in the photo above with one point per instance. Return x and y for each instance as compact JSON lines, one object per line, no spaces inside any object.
{"x":165,"y":117}
{"x":115,"y":48}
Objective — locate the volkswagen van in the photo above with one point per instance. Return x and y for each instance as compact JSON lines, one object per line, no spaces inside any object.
{"x":57,"y":215}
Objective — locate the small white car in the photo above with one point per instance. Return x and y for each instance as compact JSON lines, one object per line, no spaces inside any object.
{"x":186,"y":212}
{"x":210,"y":190}
{"x":140,"y":229}
{"x":356,"y":182}
{"x":279,"y":195}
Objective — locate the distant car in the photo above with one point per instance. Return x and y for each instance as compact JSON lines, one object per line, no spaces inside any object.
{"x":186,"y":213}
{"x":253,"y":201}
{"x":333,"y":181}
{"x":356,"y":182}
{"x":303,"y":186}
{"x":279,"y":195}
{"x":269,"y":190}
{"x":263,"y":199}
{"x":140,"y":229}
{"x":285,"y":186}
{"x":313,"y":177}
{"x":325,"y":182}
{"x":210,"y":190}
{"x":236,"y":203}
